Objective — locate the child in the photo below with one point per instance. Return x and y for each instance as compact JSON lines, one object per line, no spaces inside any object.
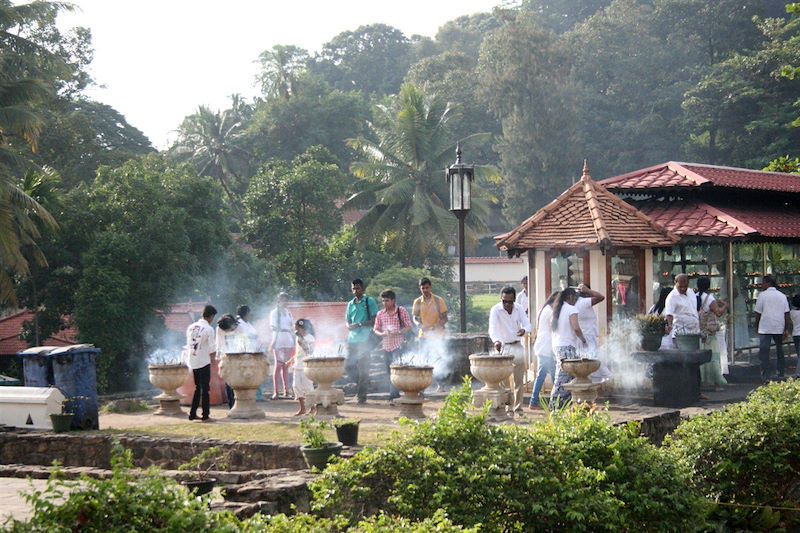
{"x":304,"y":332}
{"x":794,"y":316}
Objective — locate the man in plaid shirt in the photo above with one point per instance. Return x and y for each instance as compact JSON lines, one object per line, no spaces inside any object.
{"x":391,"y":323}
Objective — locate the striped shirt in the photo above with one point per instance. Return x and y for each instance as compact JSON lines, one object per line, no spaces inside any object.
{"x":385,"y":321}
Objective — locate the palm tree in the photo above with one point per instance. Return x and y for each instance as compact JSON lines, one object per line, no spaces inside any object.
{"x":213,"y":143}
{"x":280,"y":69}
{"x":402,"y":178}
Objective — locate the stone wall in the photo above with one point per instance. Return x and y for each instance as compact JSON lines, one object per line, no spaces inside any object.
{"x":94,"y":450}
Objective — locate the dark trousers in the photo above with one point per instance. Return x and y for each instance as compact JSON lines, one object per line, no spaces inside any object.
{"x":764,"y":341}
{"x":202,"y":384}
{"x":358,"y":367}
{"x":229,"y":394}
{"x":388,"y":361}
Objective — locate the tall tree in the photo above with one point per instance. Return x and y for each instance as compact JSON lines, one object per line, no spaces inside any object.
{"x":741,"y":112}
{"x":523,"y":76}
{"x":281,"y":67}
{"x":402,"y":182}
{"x":291,"y":213}
{"x":21,"y":217}
{"x":214,"y":143}
{"x":372,"y":59}
{"x":315,"y":115}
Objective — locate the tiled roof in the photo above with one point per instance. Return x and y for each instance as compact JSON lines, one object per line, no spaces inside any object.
{"x":673,"y":175}
{"x":11,"y":327}
{"x":701,"y":219}
{"x":586,"y":215}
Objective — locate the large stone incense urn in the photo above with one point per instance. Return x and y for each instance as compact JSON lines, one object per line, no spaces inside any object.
{"x":492,"y":370}
{"x":244,"y":372}
{"x":168,"y":378}
{"x":582,"y":388}
{"x":411,"y":381}
{"x":324,"y":372}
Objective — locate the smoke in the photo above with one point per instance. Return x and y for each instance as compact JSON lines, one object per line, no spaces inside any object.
{"x":623,"y":339}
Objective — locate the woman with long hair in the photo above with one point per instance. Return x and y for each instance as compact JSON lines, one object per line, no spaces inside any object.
{"x":566,"y":335}
{"x":543,"y":348}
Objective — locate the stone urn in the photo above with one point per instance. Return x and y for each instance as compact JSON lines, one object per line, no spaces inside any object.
{"x":168,"y":378}
{"x":244,"y":372}
{"x":324,"y":372}
{"x":492,"y":370}
{"x":411,"y":381}
{"x":582,"y":388}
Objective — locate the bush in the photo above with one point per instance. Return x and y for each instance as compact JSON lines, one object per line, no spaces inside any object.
{"x":747,"y":454}
{"x":124,"y":502}
{"x":381,"y":523}
{"x":574,"y":472}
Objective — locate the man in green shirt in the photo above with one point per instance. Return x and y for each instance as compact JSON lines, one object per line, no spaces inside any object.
{"x":360,"y":317}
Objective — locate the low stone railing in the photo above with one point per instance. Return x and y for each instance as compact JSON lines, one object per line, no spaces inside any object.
{"x":94,"y":450}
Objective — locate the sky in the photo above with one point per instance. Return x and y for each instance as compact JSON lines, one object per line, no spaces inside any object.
{"x":156,"y":61}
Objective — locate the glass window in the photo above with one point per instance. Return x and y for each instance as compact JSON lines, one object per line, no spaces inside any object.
{"x":625,"y":284}
{"x":566,"y":270}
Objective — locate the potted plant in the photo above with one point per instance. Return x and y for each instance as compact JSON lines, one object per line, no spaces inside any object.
{"x":199,"y":481}
{"x":63,"y":421}
{"x":317,"y":450}
{"x":347,"y":430}
{"x":686,"y":340}
{"x":652,"y":327}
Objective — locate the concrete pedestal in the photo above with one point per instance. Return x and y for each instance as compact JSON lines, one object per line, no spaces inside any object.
{"x":676,"y":375}
{"x":500,"y":400}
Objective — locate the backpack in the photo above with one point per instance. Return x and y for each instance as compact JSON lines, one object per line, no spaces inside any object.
{"x":709,"y":325}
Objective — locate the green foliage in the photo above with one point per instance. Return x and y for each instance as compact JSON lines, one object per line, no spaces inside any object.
{"x":313,"y":432}
{"x":213,"y":458}
{"x":575,"y":471}
{"x":747,"y":454}
{"x":290,"y":210}
{"x":784,"y":164}
{"x":345,"y":422}
{"x":371,"y":59}
{"x":124,"y":502}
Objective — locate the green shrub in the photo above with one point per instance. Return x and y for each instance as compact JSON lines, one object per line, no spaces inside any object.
{"x":380,"y":523}
{"x":122,"y":503}
{"x":747,"y":454}
{"x":574,"y":472}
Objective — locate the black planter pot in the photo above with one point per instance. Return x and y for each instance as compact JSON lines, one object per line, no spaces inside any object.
{"x":347,"y":434}
{"x":198,"y":487}
{"x":320,"y":457}
{"x":651,"y":342}
{"x":61,"y":421}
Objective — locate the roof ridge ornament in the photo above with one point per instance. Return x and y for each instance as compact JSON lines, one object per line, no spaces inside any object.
{"x":585,"y":174}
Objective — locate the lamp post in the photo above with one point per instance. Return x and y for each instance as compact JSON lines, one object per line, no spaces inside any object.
{"x":459,"y":181}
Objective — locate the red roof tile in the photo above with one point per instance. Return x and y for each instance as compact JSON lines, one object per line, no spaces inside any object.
{"x":701,"y":219}
{"x":11,"y":327}
{"x":690,"y":175}
{"x":586,"y":215}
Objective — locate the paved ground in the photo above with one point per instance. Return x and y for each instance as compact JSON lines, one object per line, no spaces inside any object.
{"x":375,"y":411}
{"x":11,"y":503}
{"x":378,"y":411}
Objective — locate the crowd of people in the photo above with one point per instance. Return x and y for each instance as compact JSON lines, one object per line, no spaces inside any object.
{"x":388,"y":330}
{"x":566,"y":328}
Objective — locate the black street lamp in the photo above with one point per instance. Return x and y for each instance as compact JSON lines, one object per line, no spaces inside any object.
{"x":459,"y":180}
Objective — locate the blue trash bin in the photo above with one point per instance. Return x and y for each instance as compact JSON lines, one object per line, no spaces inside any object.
{"x":76,"y":376}
{"x":37,"y":367}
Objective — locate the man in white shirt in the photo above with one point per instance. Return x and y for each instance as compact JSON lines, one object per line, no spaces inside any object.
{"x":508,"y":323}
{"x":681,"y":309}
{"x":201,"y":346}
{"x":772,"y":324}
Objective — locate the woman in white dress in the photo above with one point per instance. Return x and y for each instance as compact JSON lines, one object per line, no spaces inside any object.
{"x":304,"y":332}
{"x":282,"y":324}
